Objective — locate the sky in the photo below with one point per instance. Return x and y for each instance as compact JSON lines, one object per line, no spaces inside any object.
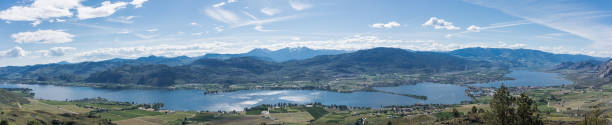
{"x":49,"y":31}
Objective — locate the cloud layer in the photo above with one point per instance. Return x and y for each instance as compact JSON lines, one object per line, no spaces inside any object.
{"x":48,"y":9}
{"x":569,"y":16}
{"x":14,"y":52}
{"x":43,"y":37}
{"x":56,"y":51}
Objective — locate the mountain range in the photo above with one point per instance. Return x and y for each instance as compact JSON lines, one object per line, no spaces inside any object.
{"x":71,"y":71}
{"x":280,"y":55}
{"x":253,"y":70}
{"x":520,"y":58}
{"x":288,"y":64}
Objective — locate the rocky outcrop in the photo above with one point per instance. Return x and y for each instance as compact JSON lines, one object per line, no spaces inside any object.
{"x":606,"y":70}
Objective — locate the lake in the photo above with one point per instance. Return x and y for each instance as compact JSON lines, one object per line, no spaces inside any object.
{"x":528,"y":78}
{"x":196,"y":100}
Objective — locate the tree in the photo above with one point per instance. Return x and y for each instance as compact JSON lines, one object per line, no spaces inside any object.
{"x":509,"y":110}
{"x":527,"y":112}
{"x":456,"y":113}
{"x":594,"y":118}
{"x":474,"y":110}
{"x":3,"y":122}
{"x":501,"y":107}
{"x":389,"y":123}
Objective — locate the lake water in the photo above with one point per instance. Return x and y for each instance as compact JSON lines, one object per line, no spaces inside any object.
{"x":528,"y":78}
{"x":196,"y":100}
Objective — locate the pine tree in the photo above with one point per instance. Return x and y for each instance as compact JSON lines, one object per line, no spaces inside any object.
{"x":509,"y":110}
{"x":474,"y":110}
{"x":594,"y":118}
{"x":527,"y":112}
{"x":456,"y":113}
{"x":501,"y":107}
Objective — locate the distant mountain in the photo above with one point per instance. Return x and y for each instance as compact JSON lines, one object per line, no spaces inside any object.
{"x":78,"y":71}
{"x":65,"y":71}
{"x":385,"y":60}
{"x":520,"y":58}
{"x":280,"y":55}
{"x":252,"y":70}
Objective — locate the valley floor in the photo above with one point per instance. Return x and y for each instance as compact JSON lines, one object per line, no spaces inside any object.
{"x":556,"y":105}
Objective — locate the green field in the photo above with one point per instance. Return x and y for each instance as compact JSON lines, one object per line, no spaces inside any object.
{"x":127,"y":114}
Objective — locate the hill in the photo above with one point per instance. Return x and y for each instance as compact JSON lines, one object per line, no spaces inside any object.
{"x":280,"y":55}
{"x":10,"y":99}
{"x":73,"y":72}
{"x":79,"y":71}
{"x":520,"y":58}
{"x":606,"y":70}
{"x":253,"y":70}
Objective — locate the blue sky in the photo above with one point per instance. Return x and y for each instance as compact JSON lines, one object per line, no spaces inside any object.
{"x":47,"y":31}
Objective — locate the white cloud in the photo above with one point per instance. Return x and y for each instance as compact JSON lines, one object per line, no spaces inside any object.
{"x":440,"y":24}
{"x":56,"y":51}
{"x":197,"y":34}
{"x":222,"y":15}
{"x":140,"y":51}
{"x":387,"y":25}
{"x":299,"y":5}
{"x":40,"y":9}
{"x":14,"y":52}
{"x":473,"y":28}
{"x":577,"y":17}
{"x":219,"y":5}
{"x":43,"y":37}
{"x":223,"y":3}
{"x":261,"y":29}
{"x":106,"y":9}
{"x":143,"y":36}
{"x":263,"y":21}
{"x":138,"y":3}
{"x":219,"y":28}
{"x":124,"y":31}
{"x":43,"y":10}
{"x":153,"y":30}
{"x":193,"y":24}
{"x":270,"y":11}
{"x":122,"y":19}
{"x":295,"y":38}
{"x":35,"y":23}
{"x":60,"y":20}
